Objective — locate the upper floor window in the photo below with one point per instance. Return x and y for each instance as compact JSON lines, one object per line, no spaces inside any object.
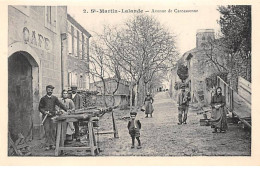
{"x":51,"y":17}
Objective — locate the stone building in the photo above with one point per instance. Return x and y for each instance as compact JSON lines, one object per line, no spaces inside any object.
{"x":34,"y":60}
{"x":199,"y":64}
{"x":45,"y":46}
{"x":77,"y":55}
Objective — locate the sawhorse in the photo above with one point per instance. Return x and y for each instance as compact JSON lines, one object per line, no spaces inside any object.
{"x":91,"y":136}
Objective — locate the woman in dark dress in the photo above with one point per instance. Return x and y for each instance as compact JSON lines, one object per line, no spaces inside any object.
{"x":219,"y":116}
{"x":148,"y":101}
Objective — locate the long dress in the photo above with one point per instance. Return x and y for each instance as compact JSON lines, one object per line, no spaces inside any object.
{"x":219,"y":116}
{"x":68,"y":127}
{"x":148,"y":105}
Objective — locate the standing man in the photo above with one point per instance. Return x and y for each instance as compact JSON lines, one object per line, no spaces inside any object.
{"x":78,"y":102}
{"x":47,"y":108}
{"x":184,"y":98}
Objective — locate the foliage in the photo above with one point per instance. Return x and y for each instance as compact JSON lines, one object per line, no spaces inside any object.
{"x":211,"y":81}
{"x":235,"y":22}
{"x":182,"y":72}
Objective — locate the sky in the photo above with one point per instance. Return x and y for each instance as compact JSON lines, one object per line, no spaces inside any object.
{"x":183,"y":25}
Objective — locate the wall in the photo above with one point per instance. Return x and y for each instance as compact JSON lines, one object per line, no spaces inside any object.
{"x":29,"y":32}
{"x":78,"y":55}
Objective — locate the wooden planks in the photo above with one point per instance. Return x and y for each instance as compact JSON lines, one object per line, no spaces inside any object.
{"x":244,"y":89}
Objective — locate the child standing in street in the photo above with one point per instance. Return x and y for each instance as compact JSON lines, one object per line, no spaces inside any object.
{"x":134,"y":127}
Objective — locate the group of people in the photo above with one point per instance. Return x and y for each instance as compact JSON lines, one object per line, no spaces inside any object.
{"x":218,"y":115}
{"x":50,"y":106}
{"x":49,"y":103}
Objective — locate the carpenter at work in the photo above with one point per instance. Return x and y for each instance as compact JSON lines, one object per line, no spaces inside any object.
{"x":47,"y":108}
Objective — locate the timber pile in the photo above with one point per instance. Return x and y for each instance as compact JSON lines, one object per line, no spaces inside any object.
{"x":19,"y":147}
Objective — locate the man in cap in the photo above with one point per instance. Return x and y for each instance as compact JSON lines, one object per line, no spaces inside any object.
{"x":183,"y":104}
{"x":47,"y":108}
{"x":78,"y":102}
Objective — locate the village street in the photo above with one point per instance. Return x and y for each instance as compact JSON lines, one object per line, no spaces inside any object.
{"x":161,"y":136}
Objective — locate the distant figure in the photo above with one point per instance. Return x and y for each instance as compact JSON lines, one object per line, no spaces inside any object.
{"x":68,"y":128}
{"x":134,"y":127}
{"x":148,"y":101}
{"x":78,"y":102}
{"x":183,"y":100}
{"x":47,"y":108}
{"x":218,"y":116}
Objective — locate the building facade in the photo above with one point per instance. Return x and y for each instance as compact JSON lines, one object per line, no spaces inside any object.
{"x":77,"y":55}
{"x":46,"y":46}
{"x":34,"y":61}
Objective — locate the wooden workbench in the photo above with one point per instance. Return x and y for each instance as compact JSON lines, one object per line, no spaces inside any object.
{"x":63,"y":119}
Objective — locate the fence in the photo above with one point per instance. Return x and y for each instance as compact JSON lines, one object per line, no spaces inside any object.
{"x":228,"y":92}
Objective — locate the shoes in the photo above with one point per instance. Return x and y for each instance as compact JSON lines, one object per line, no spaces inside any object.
{"x":146,"y":116}
{"x":78,"y":139}
{"x":214,"y":131}
{"x":223,"y":131}
{"x":132,"y":146}
{"x":139,"y":147}
{"x":184,"y":122}
{"x":179,"y":123}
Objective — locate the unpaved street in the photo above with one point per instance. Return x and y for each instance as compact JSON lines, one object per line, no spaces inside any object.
{"x":161,"y":136}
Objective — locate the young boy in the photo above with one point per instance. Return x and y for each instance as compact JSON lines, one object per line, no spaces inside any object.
{"x":134,"y":127}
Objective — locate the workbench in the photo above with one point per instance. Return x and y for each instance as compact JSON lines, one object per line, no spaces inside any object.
{"x":63,"y":119}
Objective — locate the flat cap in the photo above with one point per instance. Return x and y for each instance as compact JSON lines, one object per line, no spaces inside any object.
{"x":133,"y":113}
{"x":50,"y":86}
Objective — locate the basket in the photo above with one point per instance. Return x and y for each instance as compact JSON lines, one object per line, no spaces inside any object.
{"x":204,"y":122}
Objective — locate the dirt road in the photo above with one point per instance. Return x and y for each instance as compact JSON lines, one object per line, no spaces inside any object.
{"x":161,"y":136}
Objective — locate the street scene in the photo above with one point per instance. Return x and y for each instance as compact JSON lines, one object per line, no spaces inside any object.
{"x":147,"y":83}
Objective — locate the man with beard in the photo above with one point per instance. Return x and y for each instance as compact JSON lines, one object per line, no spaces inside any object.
{"x":47,"y":108}
{"x":78,"y":102}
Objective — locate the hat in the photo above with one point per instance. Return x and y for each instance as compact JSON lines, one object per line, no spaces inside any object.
{"x":74,"y":86}
{"x":133,"y":113}
{"x":50,"y":86}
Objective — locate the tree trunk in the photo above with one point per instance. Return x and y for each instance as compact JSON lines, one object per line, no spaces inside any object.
{"x":136,"y":95}
{"x":131,"y":95}
{"x":104,"y":92}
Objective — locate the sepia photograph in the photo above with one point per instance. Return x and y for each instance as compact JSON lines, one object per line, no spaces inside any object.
{"x":129,"y":80}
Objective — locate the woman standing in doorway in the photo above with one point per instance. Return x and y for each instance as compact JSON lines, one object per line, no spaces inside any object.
{"x":219,"y":116}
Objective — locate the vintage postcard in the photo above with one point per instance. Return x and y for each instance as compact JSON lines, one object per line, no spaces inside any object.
{"x":105,"y":82}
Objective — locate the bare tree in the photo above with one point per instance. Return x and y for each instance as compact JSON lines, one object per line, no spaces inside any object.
{"x":141,"y":46}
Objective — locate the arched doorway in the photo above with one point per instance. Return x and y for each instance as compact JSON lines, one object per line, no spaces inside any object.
{"x":23,"y":77}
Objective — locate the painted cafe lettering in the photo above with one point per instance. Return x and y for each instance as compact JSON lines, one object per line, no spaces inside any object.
{"x":36,"y":39}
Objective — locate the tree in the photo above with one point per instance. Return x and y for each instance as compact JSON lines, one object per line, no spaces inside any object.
{"x":141,"y":46}
{"x":235,"y":23}
{"x":182,"y":72}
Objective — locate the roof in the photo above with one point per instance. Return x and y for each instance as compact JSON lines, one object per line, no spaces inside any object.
{"x":74,"y":22}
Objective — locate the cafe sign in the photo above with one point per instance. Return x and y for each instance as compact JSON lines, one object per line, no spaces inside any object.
{"x":36,"y":39}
